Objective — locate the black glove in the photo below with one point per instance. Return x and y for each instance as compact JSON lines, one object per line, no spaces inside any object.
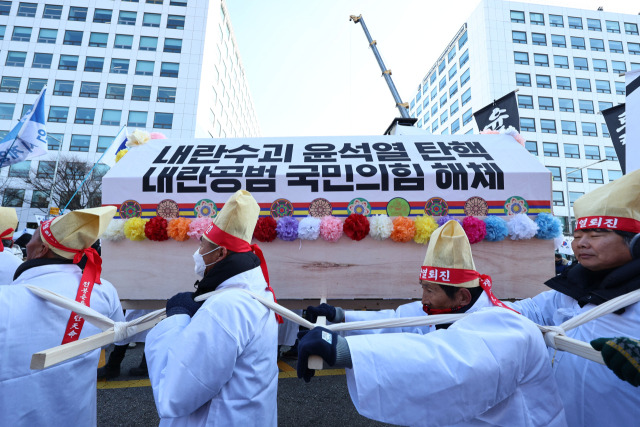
{"x":323,"y":309}
{"x":319,"y":342}
{"x":622,"y":356}
{"x":182,"y":303}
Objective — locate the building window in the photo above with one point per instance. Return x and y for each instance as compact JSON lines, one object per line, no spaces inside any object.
{"x":467,"y":116}
{"x":443,"y":83}
{"x":154,"y":1}
{"x":151,"y":20}
{"x":140,"y":93}
{"x":16,"y":59}
{"x":545,"y":103}
{"x":123,"y":41}
{"x":556,"y":21}
{"x":85,"y":116}
{"x":452,"y":71}
{"x":589,"y":129}
{"x":575,"y":195}
{"x":6,"y":111}
{"x":603,"y":86}
{"x":39,"y":199}
{"x":10,"y":84}
{"x":631,"y":28}
{"x":127,"y":18}
{"x":550,"y":149}
{"x":73,"y":38}
{"x":434,"y":93}
{"x":555,"y":173}
{"x":464,"y":78}
{"x":597,"y":45}
{"x":46,"y":168}
{"x":536,"y":18}
{"x":80,"y":143}
{"x":453,"y":89}
{"x":572,"y":151}
{"x":620,"y":88}
{"x":119,"y":66}
{"x":58,"y":114}
{"x":148,"y":43}
{"x":455,"y":126}
{"x":53,"y":142}
{"x":98,"y":39}
{"x":573,"y":174}
{"x":42,"y":60}
{"x":592,"y":152}
{"x":94,"y":64}
{"x":168,"y":95}
{"x":558,"y":198}
{"x":137,"y":119}
{"x":466,"y":97}
{"x":543,"y":81}
{"x":517,"y":16}
{"x":434,"y":109}
{"x":605,"y":130}
{"x":527,"y":124}
{"x":444,"y":116}
{"x":523,"y":80}
{"x":525,"y":101}
{"x":21,"y":34}
{"x":13,"y":198}
{"x":102,"y":15}
{"x":462,"y":40}
{"x":619,"y":67}
{"x":169,"y":69}
{"x":434,"y":126}
{"x":36,"y":85}
{"x":583,"y":85}
{"x":538,"y":39}
{"x":89,"y":89}
{"x":586,"y":106}
{"x":5,"y":7}
{"x":615,"y":46}
{"x":531,"y":147}
{"x":3,"y":29}
{"x":575,"y":22}
{"x":600,"y":65}
{"x":443,"y":99}
{"x":144,"y":68}
{"x":568,"y":127}
{"x":558,"y":41}
{"x":175,"y":22}
{"x":47,"y":35}
{"x":595,"y":176}
{"x":519,"y":37}
{"x":594,"y":24}
{"x":111,"y":117}
{"x":578,"y":43}
{"x":103,"y":144}
{"x":174,"y":45}
{"x":541,"y":60}
{"x":441,"y":68}
{"x":610,"y":153}
{"x":27,"y":9}
{"x":613,"y":27}
{"x":464,"y":58}
{"x":51,"y":11}
{"x":182,"y":3}
{"x":548,"y":126}
{"x":613,"y":175}
{"x":580,"y":63}
{"x":560,"y":61}
{"x":77,"y":13}
{"x":63,"y":88}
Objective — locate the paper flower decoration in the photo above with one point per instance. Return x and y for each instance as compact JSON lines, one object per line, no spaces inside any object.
{"x":425,"y":226}
{"x":157,"y":135}
{"x":138,"y":137}
{"x":156,"y":229}
{"x":115,"y":230}
{"x":265,"y":230}
{"x":549,"y":226}
{"x":380,"y":227}
{"x":309,"y":228}
{"x":331,"y":229}
{"x":356,"y":226}
{"x":496,"y":228}
{"x":134,"y":229}
{"x":475,"y":228}
{"x":178,"y":229}
{"x":521,"y":227}
{"x":121,"y":154}
{"x":443,"y":219}
{"x":198,"y":226}
{"x":287,"y":228}
{"x":403,"y":229}
{"x":511,"y":131}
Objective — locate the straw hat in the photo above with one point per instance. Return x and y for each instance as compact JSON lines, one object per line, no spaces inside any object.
{"x":448,"y":249}
{"x":78,"y":229}
{"x":614,"y":206}
{"x":8,"y":219}
{"x":237,"y":218}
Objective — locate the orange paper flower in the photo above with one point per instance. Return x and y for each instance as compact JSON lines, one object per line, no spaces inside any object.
{"x":403,"y":229}
{"x":178,"y":228}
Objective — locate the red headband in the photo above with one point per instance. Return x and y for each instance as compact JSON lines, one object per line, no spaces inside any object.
{"x":4,"y":236}
{"x":456,"y":276}
{"x":229,"y":241}
{"x":609,"y":222}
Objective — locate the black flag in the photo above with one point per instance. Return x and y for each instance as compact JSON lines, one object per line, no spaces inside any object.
{"x":615,"y":117}
{"x":500,"y":114}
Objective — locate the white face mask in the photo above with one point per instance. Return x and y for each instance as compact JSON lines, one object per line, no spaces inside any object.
{"x":198,"y":259}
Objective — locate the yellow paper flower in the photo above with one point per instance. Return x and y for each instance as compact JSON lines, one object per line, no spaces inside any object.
{"x":138,"y":137}
{"x":121,"y":154}
{"x":425,"y":226}
{"x":134,"y":228}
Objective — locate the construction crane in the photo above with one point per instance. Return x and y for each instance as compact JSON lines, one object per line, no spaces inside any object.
{"x":403,"y":107}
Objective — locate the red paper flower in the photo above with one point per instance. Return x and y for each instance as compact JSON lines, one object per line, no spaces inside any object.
{"x":475,"y":228}
{"x":356,"y":226}
{"x":156,"y":229}
{"x":265,"y":230}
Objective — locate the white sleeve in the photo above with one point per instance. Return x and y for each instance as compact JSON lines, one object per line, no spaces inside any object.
{"x":539,"y":309}
{"x":411,"y":309}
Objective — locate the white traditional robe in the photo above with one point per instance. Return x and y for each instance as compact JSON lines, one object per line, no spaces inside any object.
{"x":219,"y":367}
{"x":488,"y":369}
{"x":9,"y":263}
{"x":64,"y":394}
{"x":591,"y":393}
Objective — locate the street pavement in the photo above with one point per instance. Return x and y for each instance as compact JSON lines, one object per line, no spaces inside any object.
{"x":325,"y":401}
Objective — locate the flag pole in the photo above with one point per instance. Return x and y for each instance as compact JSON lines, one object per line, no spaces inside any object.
{"x":55,"y":171}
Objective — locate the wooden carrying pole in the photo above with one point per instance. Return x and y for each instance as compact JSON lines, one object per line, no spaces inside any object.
{"x":316,"y":362}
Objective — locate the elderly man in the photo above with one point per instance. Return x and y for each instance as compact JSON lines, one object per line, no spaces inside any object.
{"x":608,"y":220}
{"x":8,"y":261}
{"x":64,"y":394}
{"x":215,"y":362}
{"x":490,"y":368}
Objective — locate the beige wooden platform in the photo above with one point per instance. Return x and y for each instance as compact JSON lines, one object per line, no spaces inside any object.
{"x":366,"y":274}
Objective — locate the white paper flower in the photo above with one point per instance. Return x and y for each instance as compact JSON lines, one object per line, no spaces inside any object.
{"x":380,"y":227}
{"x":522,"y":227}
{"x":309,"y":228}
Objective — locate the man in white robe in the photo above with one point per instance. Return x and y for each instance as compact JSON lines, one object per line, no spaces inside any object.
{"x":214,"y":363}
{"x":8,"y":261}
{"x":608,"y":220}
{"x":64,"y":394}
{"x":490,"y":368}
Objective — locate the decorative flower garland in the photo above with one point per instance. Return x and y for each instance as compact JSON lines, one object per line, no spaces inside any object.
{"x":265,"y":230}
{"x":178,"y":229}
{"x":356,"y":226}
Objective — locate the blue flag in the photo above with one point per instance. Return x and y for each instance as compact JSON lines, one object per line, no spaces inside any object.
{"x":28,"y":138}
{"x":119,"y":143}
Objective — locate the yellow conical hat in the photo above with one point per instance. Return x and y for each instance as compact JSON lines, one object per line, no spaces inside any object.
{"x":615,"y":206}
{"x":238,"y":218}
{"x":8,"y":219}
{"x":448,"y":248}
{"x":78,"y":229}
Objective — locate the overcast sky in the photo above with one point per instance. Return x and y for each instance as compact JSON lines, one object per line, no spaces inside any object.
{"x":311,"y":72}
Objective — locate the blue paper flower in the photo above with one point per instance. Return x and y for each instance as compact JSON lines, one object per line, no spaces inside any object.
{"x":548,"y":226}
{"x":496,"y":228}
